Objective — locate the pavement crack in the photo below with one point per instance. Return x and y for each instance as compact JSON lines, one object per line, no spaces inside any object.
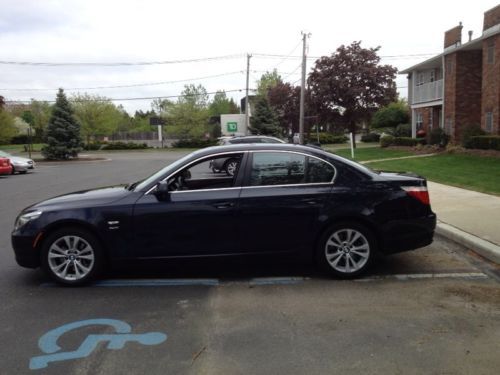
{"x":197,"y":354}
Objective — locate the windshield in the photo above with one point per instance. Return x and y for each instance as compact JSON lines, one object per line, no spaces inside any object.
{"x":153,"y":178}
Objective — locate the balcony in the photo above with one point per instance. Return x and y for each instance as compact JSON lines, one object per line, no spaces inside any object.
{"x":428,"y":92}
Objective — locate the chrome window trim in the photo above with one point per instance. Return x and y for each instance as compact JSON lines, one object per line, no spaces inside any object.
{"x":202,"y":190}
{"x":300,"y":153}
{"x":191,"y":163}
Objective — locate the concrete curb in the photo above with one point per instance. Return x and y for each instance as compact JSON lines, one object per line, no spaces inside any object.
{"x":484,"y":248}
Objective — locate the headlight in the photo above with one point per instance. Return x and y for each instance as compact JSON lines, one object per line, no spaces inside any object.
{"x":26,"y":218}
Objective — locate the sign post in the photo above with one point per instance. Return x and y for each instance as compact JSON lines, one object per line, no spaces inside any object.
{"x":158,"y":121}
{"x":352,"y":144}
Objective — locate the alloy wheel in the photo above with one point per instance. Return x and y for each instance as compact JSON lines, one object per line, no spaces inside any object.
{"x":71,"y":258}
{"x":347,"y":250}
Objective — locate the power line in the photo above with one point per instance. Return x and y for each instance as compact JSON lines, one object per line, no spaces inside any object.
{"x":124,"y":86}
{"x":181,"y":61}
{"x":130,"y":99}
{"x":285,"y":57}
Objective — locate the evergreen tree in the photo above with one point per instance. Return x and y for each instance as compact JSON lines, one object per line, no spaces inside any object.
{"x":63,"y":131}
{"x":264,"y":120}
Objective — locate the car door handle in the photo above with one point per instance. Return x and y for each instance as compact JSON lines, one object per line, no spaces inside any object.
{"x":223,"y":205}
{"x":310,"y":201}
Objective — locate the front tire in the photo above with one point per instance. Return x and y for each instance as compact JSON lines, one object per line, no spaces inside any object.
{"x":345,"y":250}
{"x":231,"y":166}
{"x":72,"y":256}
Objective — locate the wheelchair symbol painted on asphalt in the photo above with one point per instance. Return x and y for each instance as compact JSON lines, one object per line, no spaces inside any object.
{"x":53,"y":353}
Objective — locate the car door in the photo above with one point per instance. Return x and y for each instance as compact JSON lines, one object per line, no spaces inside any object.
{"x":197,"y":220}
{"x":281,"y":200}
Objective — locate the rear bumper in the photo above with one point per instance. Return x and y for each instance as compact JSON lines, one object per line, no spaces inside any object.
{"x":405,"y":235}
{"x":5,"y":170}
{"x":26,"y":255}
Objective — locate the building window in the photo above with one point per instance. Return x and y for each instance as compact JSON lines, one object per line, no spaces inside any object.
{"x":490,"y":51}
{"x":419,"y":121}
{"x":489,"y":122}
{"x":420,"y":79}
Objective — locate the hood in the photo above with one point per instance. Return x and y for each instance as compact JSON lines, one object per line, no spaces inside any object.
{"x":19,"y":159}
{"x":85,"y":198}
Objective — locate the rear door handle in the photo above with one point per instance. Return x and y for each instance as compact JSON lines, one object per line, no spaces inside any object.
{"x":223,"y":205}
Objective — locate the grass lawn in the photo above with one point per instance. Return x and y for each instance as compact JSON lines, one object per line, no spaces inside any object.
{"x":468,"y":171}
{"x":371,"y":153}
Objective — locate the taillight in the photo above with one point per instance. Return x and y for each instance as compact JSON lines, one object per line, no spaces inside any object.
{"x":418,"y":192}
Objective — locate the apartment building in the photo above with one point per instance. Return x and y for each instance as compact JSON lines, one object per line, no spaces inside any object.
{"x":461,"y":86}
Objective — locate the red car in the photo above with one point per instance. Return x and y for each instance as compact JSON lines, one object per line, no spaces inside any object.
{"x":5,"y":166}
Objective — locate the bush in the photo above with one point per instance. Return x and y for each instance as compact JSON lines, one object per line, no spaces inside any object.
{"x":370,"y":137}
{"x":471,"y":131}
{"x":438,"y":137}
{"x":194,"y":143}
{"x":93,"y":146}
{"x":403,"y":130}
{"x":391,"y":116}
{"x":124,"y":146}
{"x":484,"y":142}
{"x":20,"y":139}
{"x":327,"y":138}
{"x":400,"y":141}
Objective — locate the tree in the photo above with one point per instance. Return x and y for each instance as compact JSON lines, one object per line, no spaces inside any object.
{"x":391,"y":115}
{"x":7,"y":125}
{"x":222,"y":105}
{"x":97,"y":115}
{"x":350,"y":85}
{"x":40,"y":110}
{"x":267,"y":81}
{"x":264,"y":121}
{"x":188,"y":117}
{"x":63,"y":131}
{"x":284,"y":99}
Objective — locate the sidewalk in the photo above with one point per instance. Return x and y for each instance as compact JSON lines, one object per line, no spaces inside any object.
{"x":468,"y":217}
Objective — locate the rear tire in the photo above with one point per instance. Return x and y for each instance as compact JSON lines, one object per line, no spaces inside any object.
{"x":72,"y":256}
{"x":345,"y":250}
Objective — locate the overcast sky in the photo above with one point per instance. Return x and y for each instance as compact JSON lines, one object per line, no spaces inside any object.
{"x":148,"y":30}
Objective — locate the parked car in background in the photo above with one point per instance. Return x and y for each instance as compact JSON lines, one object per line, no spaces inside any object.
{"x":282,"y":199}
{"x":230,"y":165}
{"x":5,"y":166}
{"x":19,"y":164}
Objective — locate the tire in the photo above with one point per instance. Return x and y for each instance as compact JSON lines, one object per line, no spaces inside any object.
{"x":231,"y":166}
{"x":72,"y":256}
{"x":13,"y":170}
{"x":345,"y":250}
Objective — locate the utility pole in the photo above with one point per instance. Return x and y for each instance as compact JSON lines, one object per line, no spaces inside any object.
{"x":303,"y":87}
{"x":247,"y":105}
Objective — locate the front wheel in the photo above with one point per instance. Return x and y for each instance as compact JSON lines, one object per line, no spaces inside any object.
{"x":346,"y":250}
{"x":231,"y":167}
{"x":72,"y":256}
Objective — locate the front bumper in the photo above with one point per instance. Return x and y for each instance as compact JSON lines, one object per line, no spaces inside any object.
{"x":22,"y":167}
{"x":26,"y":255}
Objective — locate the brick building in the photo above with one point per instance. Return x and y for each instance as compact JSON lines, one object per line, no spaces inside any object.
{"x":461,"y":86}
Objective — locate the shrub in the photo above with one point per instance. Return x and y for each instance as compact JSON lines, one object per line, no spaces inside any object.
{"x":391,"y":116}
{"x":471,"y":131}
{"x":20,"y":139}
{"x":326,"y":138}
{"x":370,"y":137}
{"x":93,"y":146}
{"x":403,"y":130}
{"x":438,"y":137}
{"x":484,"y":142}
{"x":400,"y":141}
{"x":124,"y":146}
{"x":194,"y":143}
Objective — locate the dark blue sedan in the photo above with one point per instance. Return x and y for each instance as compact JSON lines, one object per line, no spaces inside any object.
{"x":286,"y":199}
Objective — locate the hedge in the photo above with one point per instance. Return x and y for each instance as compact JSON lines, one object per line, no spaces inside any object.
{"x":389,"y":140}
{"x":194,"y":143}
{"x":484,"y":142}
{"x":370,"y":137}
{"x":326,"y":138}
{"x":124,"y":146}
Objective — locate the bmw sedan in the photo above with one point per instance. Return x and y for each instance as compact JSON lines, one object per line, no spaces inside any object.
{"x":283,"y":199}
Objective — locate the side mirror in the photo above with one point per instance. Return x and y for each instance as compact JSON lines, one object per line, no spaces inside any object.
{"x":161,"y":191}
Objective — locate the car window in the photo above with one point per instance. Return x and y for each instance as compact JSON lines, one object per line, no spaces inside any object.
{"x":285,"y":168}
{"x":209,"y":173}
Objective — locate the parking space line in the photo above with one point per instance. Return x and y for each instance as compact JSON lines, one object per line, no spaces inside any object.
{"x":276,"y":280}
{"x":420,"y":276}
{"x":148,"y":282}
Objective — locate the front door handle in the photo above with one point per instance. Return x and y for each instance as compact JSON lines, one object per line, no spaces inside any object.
{"x":223,"y":205}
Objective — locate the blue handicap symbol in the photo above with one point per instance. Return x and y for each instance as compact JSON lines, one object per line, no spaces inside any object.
{"x":48,"y":342}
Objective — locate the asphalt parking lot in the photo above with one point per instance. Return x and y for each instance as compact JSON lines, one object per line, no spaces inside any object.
{"x":431,"y":311}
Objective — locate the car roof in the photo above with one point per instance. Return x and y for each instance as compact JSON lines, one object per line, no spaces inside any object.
{"x":261,"y":146}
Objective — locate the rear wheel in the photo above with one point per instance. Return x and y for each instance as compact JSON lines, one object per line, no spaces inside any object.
{"x":346,"y":250}
{"x":72,"y":256}
{"x":231,"y":166}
